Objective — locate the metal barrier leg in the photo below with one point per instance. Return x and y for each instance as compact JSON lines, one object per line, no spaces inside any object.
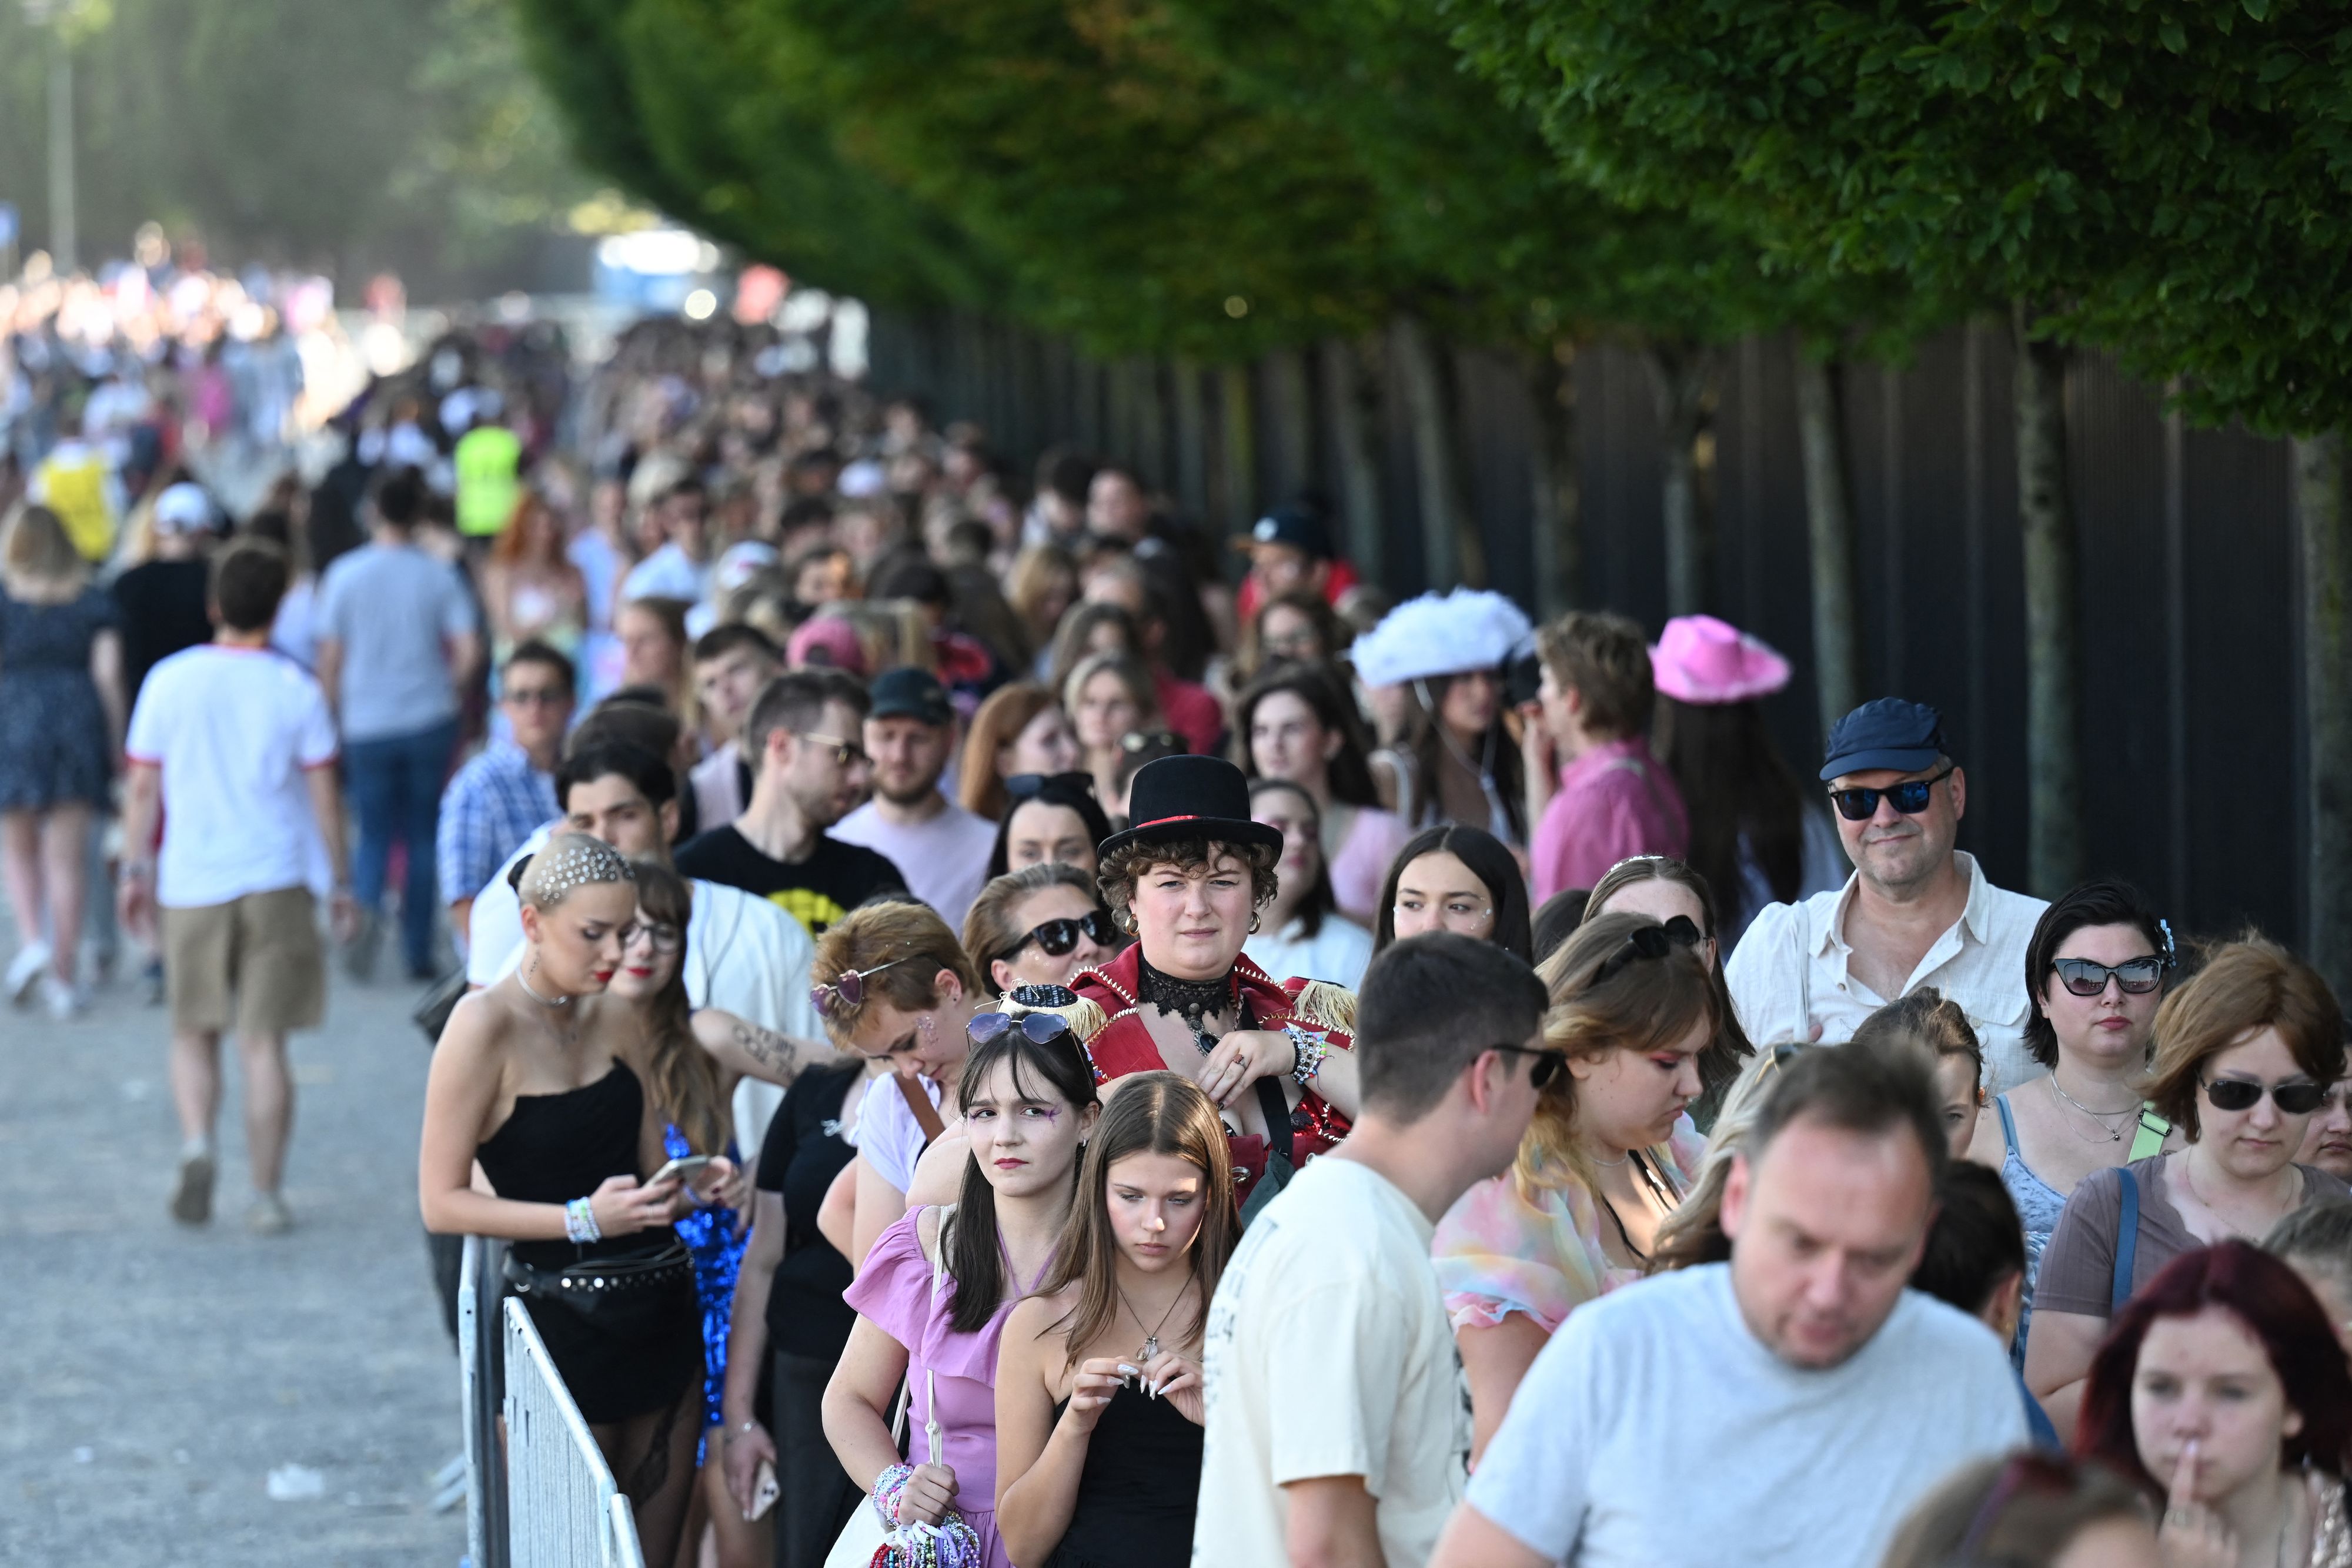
{"x":479,"y":1289}
{"x":564,"y":1509}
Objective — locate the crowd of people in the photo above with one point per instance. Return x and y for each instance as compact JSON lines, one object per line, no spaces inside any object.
{"x":994,"y":1039}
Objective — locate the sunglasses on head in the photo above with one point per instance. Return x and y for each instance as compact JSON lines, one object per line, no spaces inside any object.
{"x":2137,"y":977}
{"x":1910,"y":796}
{"x":1648,"y":942}
{"x":1026,"y":786}
{"x":2238,"y":1094}
{"x":1040,"y":1028}
{"x":1547,"y":1066}
{"x":847,"y":991}
{"x":1057,"y":937}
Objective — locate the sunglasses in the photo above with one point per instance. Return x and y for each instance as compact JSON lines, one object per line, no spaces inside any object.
{"x":1040,"y":1028}
{"x":1910,"y":796}
{"x":2137,"y":977}
{"x":847,"y":991}
{"x":535,"y":696}
{"x":1547,"y":1062}
{"x":2292,"y":1099}
{"x":1648,"y":942}
{"x":1057,"y":937}
{"x":844,"y":752}
{"x":1028,"y":786}
{"x":1147,"y":739}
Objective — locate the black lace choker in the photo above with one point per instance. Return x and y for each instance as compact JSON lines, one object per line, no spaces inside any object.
{"x":1191,"y":1000}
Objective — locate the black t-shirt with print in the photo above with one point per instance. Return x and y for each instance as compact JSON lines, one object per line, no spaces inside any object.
{"x":834,"y":879}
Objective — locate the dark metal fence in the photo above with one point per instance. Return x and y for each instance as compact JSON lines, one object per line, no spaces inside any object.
{"x":2192,"y":734}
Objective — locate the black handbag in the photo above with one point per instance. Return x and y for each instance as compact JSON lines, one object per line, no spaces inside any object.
{"x":627,"y":1295}
{"x":433,"y":1011}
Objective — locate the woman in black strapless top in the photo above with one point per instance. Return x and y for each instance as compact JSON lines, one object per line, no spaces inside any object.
{"x":1098,"y":1377}
{"x":531,"y":1078}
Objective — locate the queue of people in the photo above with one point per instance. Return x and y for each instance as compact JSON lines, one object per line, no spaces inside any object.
{"x":985,"y":1044}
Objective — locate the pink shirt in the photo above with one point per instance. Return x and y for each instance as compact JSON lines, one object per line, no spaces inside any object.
{"x":1614,"y":801}
{"x":1191,"y":711}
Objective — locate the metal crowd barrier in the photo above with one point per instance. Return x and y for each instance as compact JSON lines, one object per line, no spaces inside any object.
{"x":544,"y":1498}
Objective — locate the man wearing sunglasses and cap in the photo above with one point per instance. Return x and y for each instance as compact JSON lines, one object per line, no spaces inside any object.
{"x":1916,"y":912}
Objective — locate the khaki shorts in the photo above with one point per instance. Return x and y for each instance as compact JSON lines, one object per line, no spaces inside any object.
{"x":254,"y":964}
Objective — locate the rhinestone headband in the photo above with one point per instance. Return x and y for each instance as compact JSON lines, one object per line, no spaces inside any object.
{"x":578,"y":862}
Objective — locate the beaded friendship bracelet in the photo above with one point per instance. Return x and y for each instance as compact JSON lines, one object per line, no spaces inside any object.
{"x":1310,"y":1049}
{"x":887,"y":1486}
{"x":580,"y":1222}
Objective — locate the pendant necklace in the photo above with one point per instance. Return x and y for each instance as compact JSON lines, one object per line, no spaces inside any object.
{"x":2114,"y":1135}
{"x":1151,"y":1340}
{"x":1191,"y":1000}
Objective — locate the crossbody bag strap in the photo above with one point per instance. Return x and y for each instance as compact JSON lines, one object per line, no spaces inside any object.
{"x":2148,"y":1137}
{"x":926,"y":1115}
{"x":2119,"y":1289}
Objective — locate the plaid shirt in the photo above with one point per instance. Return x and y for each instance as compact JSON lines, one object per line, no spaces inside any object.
{"x":496,"y":802}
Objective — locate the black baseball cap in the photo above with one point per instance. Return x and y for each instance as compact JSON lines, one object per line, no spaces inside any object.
{"x":910,"y":693}
{"x":1891,"y":733}
{"x":1297,"y":527}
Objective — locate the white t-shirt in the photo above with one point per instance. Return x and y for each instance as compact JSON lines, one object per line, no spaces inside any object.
{"x":669,"y":573}
{"x":1329,"y":1353}
{"x":1657,"y":1429}
{"x":233,"y":731}
{"x":743,"y":954}
{"x":944,"y":860}
{"x":1338,"y":951}
{"x":888,"y":1133}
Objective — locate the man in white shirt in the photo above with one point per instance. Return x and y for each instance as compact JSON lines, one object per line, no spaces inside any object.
{"x":732,"y":664}
{"x":1916,"y":912}
{"x":742,"y":953}
{"x":680,"y":568}
{"x":1782,"y":1410}
{"x":942,"y":849}
{"x":1338,"y":1420}
{"x":235,"y":746}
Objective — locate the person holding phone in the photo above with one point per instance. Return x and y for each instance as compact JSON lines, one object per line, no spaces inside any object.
{"x":539,"y":1079}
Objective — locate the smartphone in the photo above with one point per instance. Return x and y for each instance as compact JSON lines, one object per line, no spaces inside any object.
{"x":764,"y":1490}
{"x":686,"y":1167}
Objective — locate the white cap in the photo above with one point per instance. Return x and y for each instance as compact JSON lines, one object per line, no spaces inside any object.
{"x":863,"y":478}
{"x":183,"y":508}
{"x":1468,"y":629}
{"x":741,"y":558}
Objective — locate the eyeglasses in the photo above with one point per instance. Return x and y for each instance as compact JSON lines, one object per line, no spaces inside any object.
{"x":2238,"y":1094}
{"x":664,"y":937}
{"x":535,"y":696}
{"x":1910,"y":796}
{"x":1647,"y":942}
{"x":2137,"y":977}
{"x":1028,"y":786}
{"x":848,"y":988}
{"x":1040,"y":1028}
{"x":1057,"y":937}
{"x":1151,"y":739}
{"x":844,"y":752}
{"x":1547,"y":1067}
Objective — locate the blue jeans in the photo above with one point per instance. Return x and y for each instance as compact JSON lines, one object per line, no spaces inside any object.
{"x":395,"y":784}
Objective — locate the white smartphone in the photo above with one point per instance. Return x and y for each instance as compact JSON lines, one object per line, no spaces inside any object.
{"x":764,"y":1490}
{"x":686,"y":1167}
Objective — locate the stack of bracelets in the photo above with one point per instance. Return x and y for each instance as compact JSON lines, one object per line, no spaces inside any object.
{"x":580,"y":1222}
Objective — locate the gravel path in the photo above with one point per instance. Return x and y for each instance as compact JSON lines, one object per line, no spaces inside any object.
{"x":154,"y":1375}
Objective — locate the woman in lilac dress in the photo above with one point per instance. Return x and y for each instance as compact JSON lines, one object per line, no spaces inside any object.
{"x":933,"y":1294}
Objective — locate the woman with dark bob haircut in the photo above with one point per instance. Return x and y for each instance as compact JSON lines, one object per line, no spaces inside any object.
{"x":2094,"y":974}
{"x":2222,"y":1390}
{"x":2244,"y":1054}
{"x":1456,"y":878}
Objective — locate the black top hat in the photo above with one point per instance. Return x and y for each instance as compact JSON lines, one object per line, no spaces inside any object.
{"x":1191,"y":798}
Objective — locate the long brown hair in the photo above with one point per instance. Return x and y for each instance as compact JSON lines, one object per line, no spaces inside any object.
{"x":681,"y":1079}
{"x":1152,"y":1113}
{"x":998,"y":724}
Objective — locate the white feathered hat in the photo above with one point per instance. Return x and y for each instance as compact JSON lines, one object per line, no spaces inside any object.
{"x":1468,"y":629}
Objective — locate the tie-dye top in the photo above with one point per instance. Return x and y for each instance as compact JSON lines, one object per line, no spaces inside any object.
{"x":1499,"y":1253}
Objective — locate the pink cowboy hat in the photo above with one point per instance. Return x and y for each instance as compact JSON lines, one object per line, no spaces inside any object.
{"x":1701,"y":660}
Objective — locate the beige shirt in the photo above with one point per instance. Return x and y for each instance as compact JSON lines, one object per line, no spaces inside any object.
{"x":1329,"y":1353}
{"x":1791,"y":972}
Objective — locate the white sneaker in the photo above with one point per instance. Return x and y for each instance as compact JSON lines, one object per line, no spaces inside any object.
{"x":25,"y":970}
{"x":65,"y":1002}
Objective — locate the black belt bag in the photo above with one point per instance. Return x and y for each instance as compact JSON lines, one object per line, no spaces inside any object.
{"x":626,"y":1295}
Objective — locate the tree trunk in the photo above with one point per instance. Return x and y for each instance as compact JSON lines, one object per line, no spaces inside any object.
{"x":1829,"y":516}
{"x":1151,"y":450}
{"x":1239,"y":465}
{"x":1191,"y":430}
{"x":1556,"y":534}
{"x":1290,"y":422}
{"x":2327,"y":536}
{"x":1348,"y":402}
{"x":2052,"y":630}
{"x":1452,"y":551}
{"x":1682,"y":380}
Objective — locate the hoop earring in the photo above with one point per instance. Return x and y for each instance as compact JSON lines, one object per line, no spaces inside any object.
{"x":1256,"y":919}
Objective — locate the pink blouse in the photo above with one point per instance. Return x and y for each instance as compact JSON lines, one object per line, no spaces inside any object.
{"x":1360,"y":868}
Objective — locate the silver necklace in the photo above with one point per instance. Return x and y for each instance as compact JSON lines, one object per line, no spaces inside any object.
{"x":524,"y":981}
{"x":1151,"y":1340}
{"x":2114,"y":1135}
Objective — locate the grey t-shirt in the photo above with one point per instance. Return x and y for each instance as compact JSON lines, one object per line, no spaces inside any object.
{"x":393,"y":607}
{"x":1655,"y":1429}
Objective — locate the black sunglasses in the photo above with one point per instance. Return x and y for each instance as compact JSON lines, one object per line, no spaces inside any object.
{"x":2137,"y":977}
{"x":1547,"y":1067}
{"x":1910,"y":796}
{"x":1040,"y":1028}
{"x":1648,"y":942}
{"x":2292,"y":1099}
{"x":1057,"y":937}
{"x":1026,"y":786}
